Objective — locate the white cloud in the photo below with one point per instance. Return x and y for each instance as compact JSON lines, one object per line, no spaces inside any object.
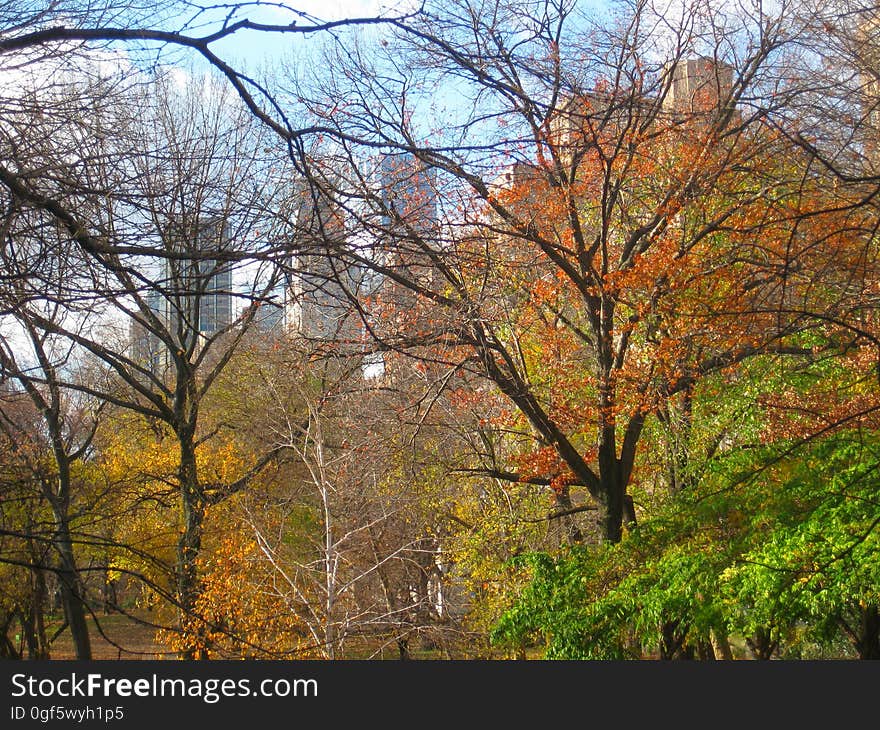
{"x":67,"y":63}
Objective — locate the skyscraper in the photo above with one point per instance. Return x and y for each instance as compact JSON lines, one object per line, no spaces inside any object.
{"x":191,"y":295}
{"x":408,"y":191}
{"x":324,"y":286}
{"x":213,"y":281}
{"x":698,"y":86}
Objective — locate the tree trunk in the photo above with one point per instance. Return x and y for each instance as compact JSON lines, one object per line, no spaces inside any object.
{"x":72,"y":589}
{"x":39,"y":601}
{"x":425,"y":550}
{"x":611,"y":513}
{"x":679,"y":427}
{"x":762,"y":644}
{"x":28,"y":629}
{"x":868,"y":644}
{"x":7,"y":648}
{"x":108,"y":591}
{"x":629,"y":512}
{"x":671,"y":640}
{"x":706,"y":651}
{"x":74,"y":610}
{"x":188,"y":547}
{"x":723,"y":646}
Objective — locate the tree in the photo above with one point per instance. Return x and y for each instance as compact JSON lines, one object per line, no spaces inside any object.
{"x":78,"y":188}
{"x":343,"y":521}
{"x":70,"y":428}
{"x":636,"y":243}
{"x":615,"y":226}
{"x":26,"y":540}
{"x":185,"y":201}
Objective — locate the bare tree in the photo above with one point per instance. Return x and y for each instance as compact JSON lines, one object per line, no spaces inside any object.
{"x":128,"y":209}
{"x":359,"y":572}
{"x":70,"y":430}
{"x":26,"y":531}
{"x":177,"y":203}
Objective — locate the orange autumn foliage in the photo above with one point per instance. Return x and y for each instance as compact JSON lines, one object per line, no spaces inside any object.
{"x":239,"y":613}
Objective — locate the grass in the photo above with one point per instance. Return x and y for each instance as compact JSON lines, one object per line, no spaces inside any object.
{"x":123,"y":638}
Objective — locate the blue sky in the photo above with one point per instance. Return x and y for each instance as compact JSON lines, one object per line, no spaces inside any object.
{"x":256,"y":48}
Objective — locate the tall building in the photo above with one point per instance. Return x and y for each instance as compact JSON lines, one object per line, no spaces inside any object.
{"x":147,"y":349}
{"x":408,"y":191}
{"x":697,"y":90}
{"x":192,"y":295}
{"x":324,"y":288}
{"x":213,"y":281}
{"x":327,"y":289}
{"x":698,"y":86}
{"x":868,"y":53}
